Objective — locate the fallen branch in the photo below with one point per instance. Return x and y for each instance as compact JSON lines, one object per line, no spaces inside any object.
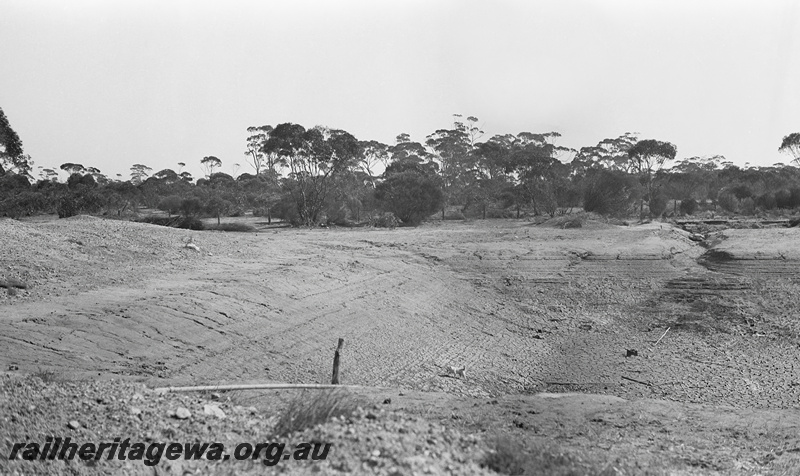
{"x":637,"y":381}
{"x":662,"y":336}
{"x":253,"y":386}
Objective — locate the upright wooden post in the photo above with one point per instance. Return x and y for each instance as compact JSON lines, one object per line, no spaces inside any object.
{"x":335,"y":378}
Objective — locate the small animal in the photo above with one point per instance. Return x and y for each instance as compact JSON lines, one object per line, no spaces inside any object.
{"x":457,"y":372}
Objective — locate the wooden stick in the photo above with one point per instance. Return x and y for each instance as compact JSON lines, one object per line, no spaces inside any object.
{"x":662,"y":336}
{"x":253,"y":386}
{"x":637,"y":381}
{"x":335,"y":378}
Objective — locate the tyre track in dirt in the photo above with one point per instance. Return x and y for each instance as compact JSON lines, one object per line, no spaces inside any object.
{"x":277,"y":318}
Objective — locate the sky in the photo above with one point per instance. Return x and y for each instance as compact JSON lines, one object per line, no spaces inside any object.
{"x":109,"y":84}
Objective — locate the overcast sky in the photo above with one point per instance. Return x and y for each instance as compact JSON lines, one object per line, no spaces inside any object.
{"x":113,"y":83}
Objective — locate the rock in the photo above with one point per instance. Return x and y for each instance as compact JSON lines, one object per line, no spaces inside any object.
{"x":631,"y":353}
{"x":387,"y":401}
{"x":74,"y":424}
{"x":135,"y":411}
{"x":182,"y":413}
{"x":213,"y":410}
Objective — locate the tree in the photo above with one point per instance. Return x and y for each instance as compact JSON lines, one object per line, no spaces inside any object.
{"x":647,"y":157}
{"x":610,"y":154}
{"x":609,"y":192}
{"x":255,"y":143}
{"x":170,"y":204}
{"x":12,"y":157}
{"x":314,"y":157}
{"x":217,"y":206}
{"x":139,"y":172}
{"x":411,"y":190}
{"x":373,"y":155}
{"x":789,"y":145}
{"x":210,"y":163}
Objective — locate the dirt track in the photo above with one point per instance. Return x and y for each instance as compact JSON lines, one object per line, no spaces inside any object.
{"x":519,"y":305}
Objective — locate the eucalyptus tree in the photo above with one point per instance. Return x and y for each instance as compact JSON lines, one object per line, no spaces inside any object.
{"x":610,"y":154}
{"x":647,"y":157}
{"x":12,"y":157}
{"x":314,"y":158}
{"x":791,"y":146}
{"x":139,"y":172}
{"x":210,"y":163}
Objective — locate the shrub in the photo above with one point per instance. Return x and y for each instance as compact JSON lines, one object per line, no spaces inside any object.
{"x":191,"y":207}
{"x":727,"y":201}
{"x":303,"y":412}
{"x":454,"y":215}
{"x":67,"y":207}
{"x":174,"y":222}
{"x":657,"y":205}
{"x":748,"y":206}
{"x":508,"y":456}
{"x":767,"y":201}
{"x":608,"y":192}
{"x":410,"y":195}
{"x":261,"y":212}
{"x":788,"y":199}
{"x":688,"y":206}
{"x":384,"y":220}
{"x":237,"y":227}
{"x":170,"y":204}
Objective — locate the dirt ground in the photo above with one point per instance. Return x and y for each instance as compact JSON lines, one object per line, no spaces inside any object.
{"x":631,"y":342}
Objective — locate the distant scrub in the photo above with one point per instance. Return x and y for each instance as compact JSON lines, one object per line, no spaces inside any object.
{"x":236,"y":227}
{"x":174,"y":222}
{"x":688,"y":206}
{"x":384,"y":220}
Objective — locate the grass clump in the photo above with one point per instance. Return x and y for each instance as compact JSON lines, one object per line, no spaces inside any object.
{"x":46,"y":376}
{"x":235,"y":227}
{"x":509,"y":456}
{"x":306,"y":411}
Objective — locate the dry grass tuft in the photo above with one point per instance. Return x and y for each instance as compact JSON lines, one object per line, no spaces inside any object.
{"x":306,"y":411}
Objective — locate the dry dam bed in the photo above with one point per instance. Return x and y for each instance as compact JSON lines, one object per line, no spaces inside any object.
{"x":525,"y":308}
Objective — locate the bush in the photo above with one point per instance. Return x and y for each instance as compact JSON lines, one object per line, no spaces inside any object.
{"x":187,"y":223}
{"x":411,"y":196}
{"x":191,"y":207}
{"x":657,"y":205}
{"x":237,"y":227}
{"x":727,"y":201}
{"x":688,"y":206}
{"x":748,"y":206}
{"x":454,"y":215}
{"x":767,"y":201}
{"x":303,"y":412}
{"x":508,"y":456}
{"x":171,"y":204}
{"x":608,"y":192}
{"x":384,"y":220}
{"x":788,"y":199}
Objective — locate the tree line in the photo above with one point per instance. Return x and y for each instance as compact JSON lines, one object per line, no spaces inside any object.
{"x":318,"y":175}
